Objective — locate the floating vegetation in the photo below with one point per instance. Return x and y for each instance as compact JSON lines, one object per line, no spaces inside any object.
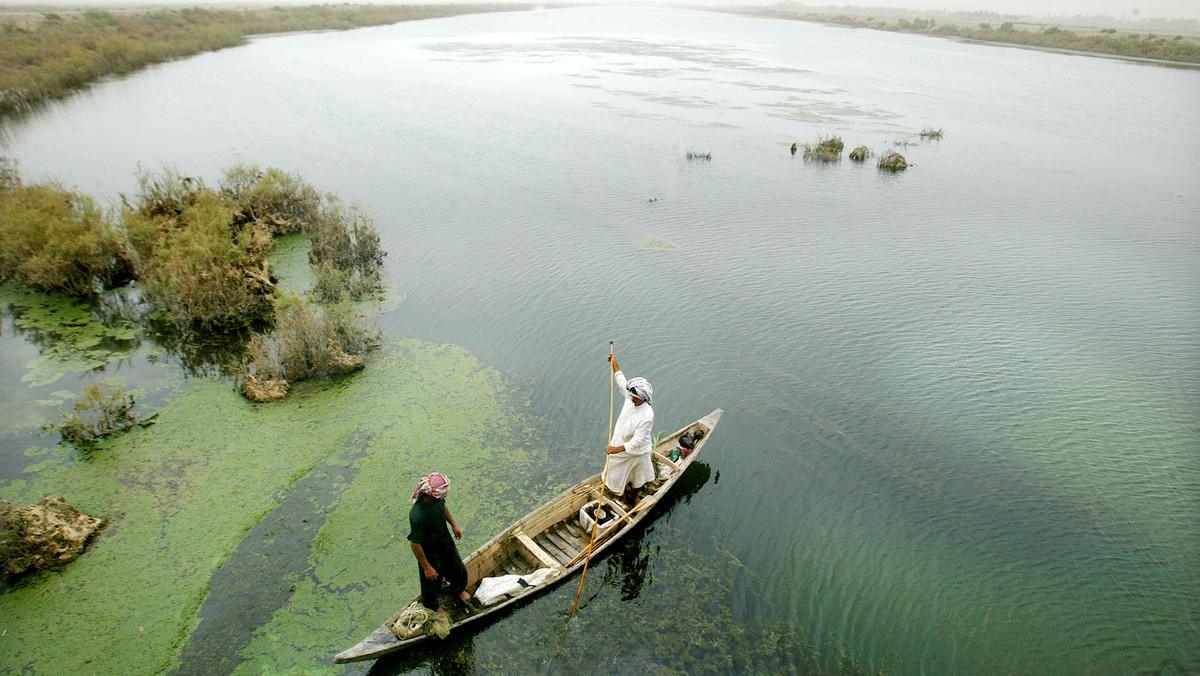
{"x":187,"y":490}
{"x":699,"y":154}
{"x":48,"y":532}
{"x":860,"y":154}
{"x":653,"y":242}
{"x":103,"y":411}
{"x":931,"y":134}
{"x":825,"y":150}
{"x":892,"y":161}
{"x":72,"y":334}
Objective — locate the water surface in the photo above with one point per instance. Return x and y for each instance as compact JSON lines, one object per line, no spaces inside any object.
{"x":962,"y":402}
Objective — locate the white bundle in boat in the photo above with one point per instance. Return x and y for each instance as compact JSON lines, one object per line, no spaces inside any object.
{"x":492,"y":590}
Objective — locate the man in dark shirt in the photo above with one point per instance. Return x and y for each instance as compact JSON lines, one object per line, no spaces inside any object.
{"x":437,"y":556}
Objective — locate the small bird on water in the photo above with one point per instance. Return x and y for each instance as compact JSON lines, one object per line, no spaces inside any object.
{"x":793,"y":148}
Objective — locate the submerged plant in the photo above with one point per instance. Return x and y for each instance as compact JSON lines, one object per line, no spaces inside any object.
{"x":103,"y":411}
{"x":654,"y":242}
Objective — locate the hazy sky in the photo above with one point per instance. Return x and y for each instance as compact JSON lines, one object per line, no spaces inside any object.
{"x":1128,"y":9}
{"x":1171,"y":9}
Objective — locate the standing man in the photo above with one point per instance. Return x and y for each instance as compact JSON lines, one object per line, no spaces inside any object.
{"x":629,"y":449}
{"x":437,"y":555}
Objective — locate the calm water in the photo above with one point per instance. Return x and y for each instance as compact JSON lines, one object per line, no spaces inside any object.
{"x":963,"y":402}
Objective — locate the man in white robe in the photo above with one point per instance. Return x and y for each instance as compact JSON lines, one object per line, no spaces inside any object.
{"x":629,"y":462}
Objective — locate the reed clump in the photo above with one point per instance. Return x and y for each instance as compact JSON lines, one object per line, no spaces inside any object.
{"x":825,"y":149}
{"x":103,"y":411}
{"x":56,"y":239}
{"x":309,"y":341}
{"x":346,"y":254}
{"x":860,"y":154}
{"x":282,"y":202}
{"x":196,"y":259}
{"x":892,"y":161}
{"x":693,"y":154}
{"x":931,"y":134}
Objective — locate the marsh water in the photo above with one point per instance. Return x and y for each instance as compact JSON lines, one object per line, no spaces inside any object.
{"x":962,"y":428}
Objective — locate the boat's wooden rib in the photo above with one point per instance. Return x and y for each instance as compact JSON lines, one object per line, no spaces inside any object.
{"x":549,"y":536}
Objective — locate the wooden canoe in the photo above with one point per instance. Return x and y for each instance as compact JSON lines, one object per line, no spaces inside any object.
{"x":548,"y":537}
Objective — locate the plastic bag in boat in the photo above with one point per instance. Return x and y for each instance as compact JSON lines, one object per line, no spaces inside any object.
{"x":492,"y":590}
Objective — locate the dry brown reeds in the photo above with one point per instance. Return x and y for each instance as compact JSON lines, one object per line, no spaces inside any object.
{"x":67,"y":50}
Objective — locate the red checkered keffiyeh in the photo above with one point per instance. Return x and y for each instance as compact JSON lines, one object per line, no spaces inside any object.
{"x":435,"y":485}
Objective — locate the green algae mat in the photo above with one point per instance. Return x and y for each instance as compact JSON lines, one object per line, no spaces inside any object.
{"x":179,"y":498}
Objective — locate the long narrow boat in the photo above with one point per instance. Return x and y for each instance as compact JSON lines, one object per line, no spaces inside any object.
{"x":550,"y":536}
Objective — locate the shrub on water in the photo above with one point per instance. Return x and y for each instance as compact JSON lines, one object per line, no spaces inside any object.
{"x":860,"y":154}
{"x":892,"y":161}
{"x":309,"y":341}
{"x":283,"y":201}
{"x":346,"y":253}
{"x":195,"y":261}
{"x":337,"y":285}
{"x":55,"y":239}
{"x":825,"y":150}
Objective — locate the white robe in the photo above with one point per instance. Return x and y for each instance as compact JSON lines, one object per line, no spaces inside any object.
{"x":633,"y":465}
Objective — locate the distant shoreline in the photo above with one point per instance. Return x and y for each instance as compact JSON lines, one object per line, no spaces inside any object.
{"x":1179,"y":50}
{"x":46,"y":55}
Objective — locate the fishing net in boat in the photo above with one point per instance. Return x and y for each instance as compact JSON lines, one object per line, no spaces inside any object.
{"x":416,"y":619}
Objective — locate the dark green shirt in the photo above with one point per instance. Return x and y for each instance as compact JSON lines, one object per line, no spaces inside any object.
{"x":427,"y":523}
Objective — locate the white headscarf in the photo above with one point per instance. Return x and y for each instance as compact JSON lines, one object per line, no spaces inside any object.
{"x":641,"y":389}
